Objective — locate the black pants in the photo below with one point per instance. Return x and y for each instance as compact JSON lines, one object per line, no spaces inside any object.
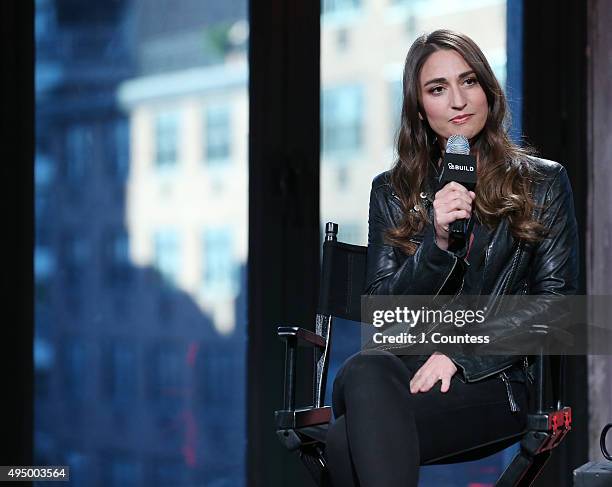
{"x":383,"y":432}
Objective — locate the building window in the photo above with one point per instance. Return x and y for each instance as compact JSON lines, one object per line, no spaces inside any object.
{"x":44,"y":263}
{"x":44,"y":174}
{"x":121,"y":473}
{"x":79,"y":150}
{"x":342,"y":120}
{"x":80,"y":467}
{"x":167,"y":256}
{"x":120,"y":373}
{"x":342,"y":39}
{"x":118,"y":149}
{"x":168,"y":385}
{"x":330,"y":6}
{"x":74,"y":361}
{"x":217,"y":371}
{"x":75,"y":257}
{"x":166,"y":139}
{"x":44,"y":171}
{"x":220,"y":272}
{"x":117,"y":258}
{"x":218,"y":133}
{"x":167,"y":472}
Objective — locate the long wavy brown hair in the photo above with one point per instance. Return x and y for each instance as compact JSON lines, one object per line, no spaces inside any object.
{"x":505,"y":173}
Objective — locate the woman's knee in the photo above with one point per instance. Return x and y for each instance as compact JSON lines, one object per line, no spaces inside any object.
{"x":368,"y":367}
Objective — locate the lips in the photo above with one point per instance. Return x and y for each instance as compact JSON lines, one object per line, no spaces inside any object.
{"x":461,"y":118}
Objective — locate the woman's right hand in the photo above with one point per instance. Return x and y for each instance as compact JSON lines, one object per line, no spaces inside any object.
{"x":452,"y":202}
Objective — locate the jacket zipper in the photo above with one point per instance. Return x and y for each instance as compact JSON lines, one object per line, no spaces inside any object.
{"x":515,"y":260}
{"x":489,"y":374}
{"x":528,"y":374}
{"x":512,"y":269}
{"x":514,"y":407}
{"x":447,"y":277}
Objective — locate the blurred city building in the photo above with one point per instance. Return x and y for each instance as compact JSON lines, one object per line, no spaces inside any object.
{"x":137,"y":383}
{"x":187,"y":107}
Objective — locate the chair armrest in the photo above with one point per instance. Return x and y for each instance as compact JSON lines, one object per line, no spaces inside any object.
{"x":293,"y":336}
{"x":304,"y":337}
{"x":300,"y":418}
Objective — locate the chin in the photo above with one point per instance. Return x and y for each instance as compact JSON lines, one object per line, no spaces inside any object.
{"x":467,"y":131}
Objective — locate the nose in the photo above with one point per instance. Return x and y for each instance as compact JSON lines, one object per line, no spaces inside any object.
{"x":457,"y":99}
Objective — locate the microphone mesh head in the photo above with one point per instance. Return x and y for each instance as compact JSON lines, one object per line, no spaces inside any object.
{"x":457,"y":144}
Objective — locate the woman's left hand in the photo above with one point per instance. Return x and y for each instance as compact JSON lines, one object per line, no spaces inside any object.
{"x":438,"y":367}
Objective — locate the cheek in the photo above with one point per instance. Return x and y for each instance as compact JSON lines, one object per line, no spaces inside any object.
{"x":482,"y":107}
{"x":435,"y":110}
{"x":481,"y":102}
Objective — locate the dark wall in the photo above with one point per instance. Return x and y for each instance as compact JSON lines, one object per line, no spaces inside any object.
{"x":283,"y":216}
{"x":555,"y":123}
{"x":16,"y":160}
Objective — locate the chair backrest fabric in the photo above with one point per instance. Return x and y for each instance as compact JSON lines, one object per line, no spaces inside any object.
{"x":343,"y":274}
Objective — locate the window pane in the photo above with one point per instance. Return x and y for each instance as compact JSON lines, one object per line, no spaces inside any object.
{"x":363,"y":49}
{"x":141,"y":240}
{"x":166,"y":139}
{"x":218,"y":133}
{"x":167,"y":254}
{"x":79,"y":148}
{"x":342,"y":120}
{"x":220,"y":271}
{"x":340,"y":6}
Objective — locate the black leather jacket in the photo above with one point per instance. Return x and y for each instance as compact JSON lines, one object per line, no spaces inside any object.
{"x":511,"y":267}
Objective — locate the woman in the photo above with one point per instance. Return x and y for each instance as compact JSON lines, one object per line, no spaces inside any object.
{"x":391,"y":415}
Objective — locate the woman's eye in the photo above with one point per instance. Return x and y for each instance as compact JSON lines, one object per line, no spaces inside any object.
{"x":471,"y":81}
{"x":436,"y":90}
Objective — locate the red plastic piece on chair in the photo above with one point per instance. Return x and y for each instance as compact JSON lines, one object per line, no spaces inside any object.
{"x":559,"y":424}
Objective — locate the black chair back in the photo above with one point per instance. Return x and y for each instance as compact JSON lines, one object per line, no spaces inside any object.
{"x":343,"y":273}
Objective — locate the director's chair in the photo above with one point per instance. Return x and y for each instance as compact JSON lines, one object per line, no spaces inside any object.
{"x":304,"y":429}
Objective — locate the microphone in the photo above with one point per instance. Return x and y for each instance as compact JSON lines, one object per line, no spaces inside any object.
{"x":459,"y":166}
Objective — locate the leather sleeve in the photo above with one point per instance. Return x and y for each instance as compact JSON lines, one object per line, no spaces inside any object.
{"x":555,"y":266}
{"x":423,"y":273}
{"x":553,"y":272}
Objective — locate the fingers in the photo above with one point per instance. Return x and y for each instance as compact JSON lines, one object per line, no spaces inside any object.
{"x":425,"y":382}
{"x":417,"y":384}
{"x":452,"y":197}
{"x":424,"y":379}
{"x":445,"y":384}
{"x":453,"y":202}
{"x":438,"y":367}
{"x":454,"y":187}
{"x":451,"y":216}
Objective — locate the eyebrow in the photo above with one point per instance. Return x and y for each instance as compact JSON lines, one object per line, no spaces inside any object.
{"x":443,"y":80}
